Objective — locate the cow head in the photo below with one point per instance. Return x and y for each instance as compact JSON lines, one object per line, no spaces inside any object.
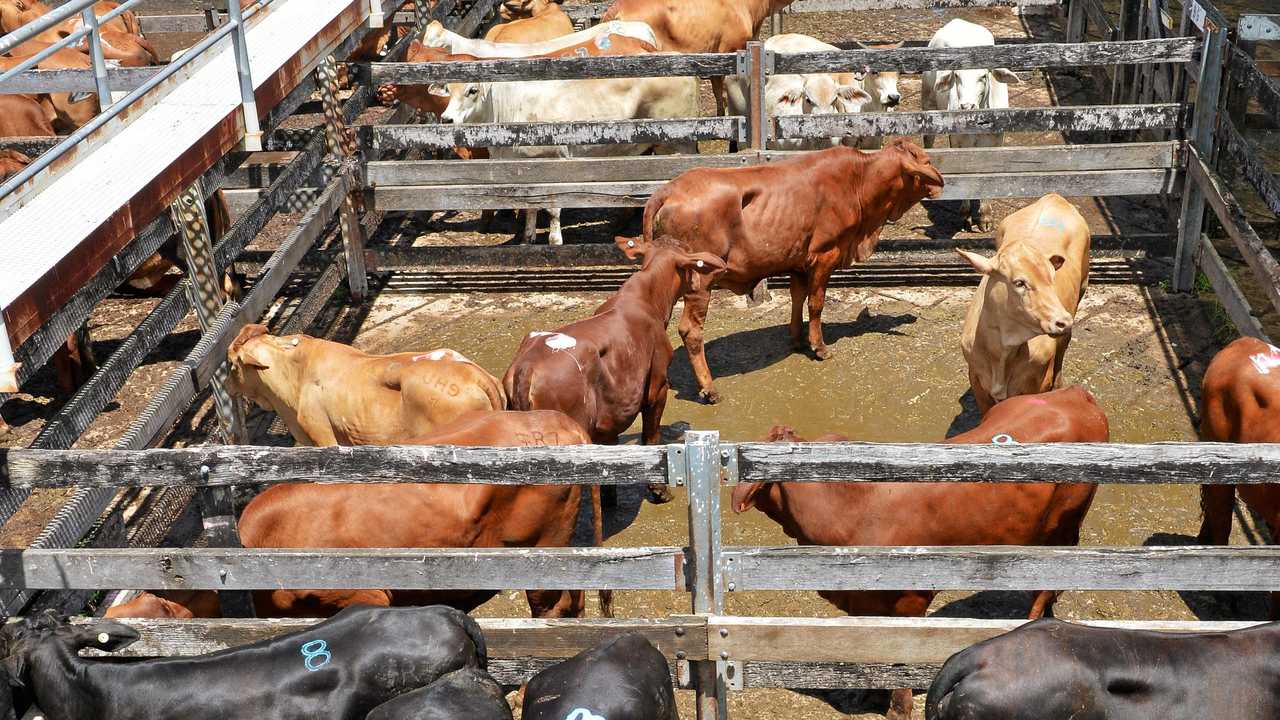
{"x":975,"y":89}
{"x":517,"y":9}
{"x":25,"y":640}
{"x":1025,"y":277}
{"x":882,"y":85}
{"x":252,"y":352}
{"x":435,"y":35}
{"x":468,"y":102}
{"x":919,"y":178}
{"x":817,"y":94}
{"x":9,"y":378}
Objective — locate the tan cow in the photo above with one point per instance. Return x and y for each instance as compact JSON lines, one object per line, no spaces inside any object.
{"x":16,"y":13}
{"x":68,"y":111}
{"x":1019,"y":324}
{"x":23,"y":116}
{"x":9,"y":378}
{"x":530,"y":21}
{"x":333,"y":394}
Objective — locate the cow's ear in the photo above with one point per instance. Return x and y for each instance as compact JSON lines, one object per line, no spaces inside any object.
{"x":106,"y":636}
{"x":944,"y":81}
{"x":438,"y":89}
{"x":256,"y":354}
{"x":632,"y":247}
{"x":983,"y":265}
{"x":1007,"y":76}
{"x":15,"y":666}
{"x":854,"y":94}
{"x":744,"y":496}
{"x":1057,"y":261}
{"x":703,"y":264}
{"x":792,"y":96}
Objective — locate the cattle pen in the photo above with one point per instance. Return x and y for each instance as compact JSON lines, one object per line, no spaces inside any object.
{"x":1187,"y":91}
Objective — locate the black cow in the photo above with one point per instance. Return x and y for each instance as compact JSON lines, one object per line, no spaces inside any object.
{"x":625,"y":678}
{"x":466,"y":694}
{"x":1051,"y":670}
{"x":339,"y":669}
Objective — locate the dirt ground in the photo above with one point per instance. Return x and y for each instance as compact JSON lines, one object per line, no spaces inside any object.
{"x":897,"y":374}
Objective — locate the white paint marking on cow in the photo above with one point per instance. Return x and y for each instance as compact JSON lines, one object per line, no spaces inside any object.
{"x":560,"y":341}
{"x":1264,"y":361}
{"x":1004,"y":439}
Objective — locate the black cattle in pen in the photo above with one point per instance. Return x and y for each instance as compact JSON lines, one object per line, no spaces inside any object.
{"x":1053,"y":670}
{"x":466,"y":694}
{"x":339,"y":669}
{"x":623,"y":678}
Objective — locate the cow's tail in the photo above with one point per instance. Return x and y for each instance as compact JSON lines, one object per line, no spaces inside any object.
{"x":953,"y":672}
{"x":597,"y":537}
{"x":472,"y":629}
{"x":651,"y":211}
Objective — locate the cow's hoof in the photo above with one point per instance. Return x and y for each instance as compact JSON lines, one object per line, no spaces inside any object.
{"x":822,"y":353}
{"x":658,"y":494}
{"x":710,"y":396}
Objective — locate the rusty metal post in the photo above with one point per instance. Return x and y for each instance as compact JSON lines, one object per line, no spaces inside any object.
{"x":702,"y":468}
{"x":341,"y":141}
{"x":217,"y":506}
{"x":759,"y":124}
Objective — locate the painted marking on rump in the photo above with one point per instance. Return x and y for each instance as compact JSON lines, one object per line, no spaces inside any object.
{"x":1264,"y":361}
{"x":583,"y":714}
{"x":1004,"y":439}
{"x":317,"y":655}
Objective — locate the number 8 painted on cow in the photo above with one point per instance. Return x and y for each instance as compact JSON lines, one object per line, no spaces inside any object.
{"x":316,"y":649}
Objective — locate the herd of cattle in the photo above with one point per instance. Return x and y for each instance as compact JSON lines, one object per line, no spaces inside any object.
{"x":588,"y":381}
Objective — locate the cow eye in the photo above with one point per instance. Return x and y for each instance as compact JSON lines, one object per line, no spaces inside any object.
{"x":472,"y":90}
{"x":1020,"y":284}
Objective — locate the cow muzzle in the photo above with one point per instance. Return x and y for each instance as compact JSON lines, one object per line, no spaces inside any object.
{"x":1057,"y":327}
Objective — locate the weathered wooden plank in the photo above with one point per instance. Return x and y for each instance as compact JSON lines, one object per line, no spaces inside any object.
{"x":835,"y":675}
{"x":1192,"y":463}
{"x":634,"y":194}
{"x":440,"y":135}
{"x":514,"y":638}
{"x":30,"y":146}
{"x":593,"y":11}
{"x":1039,"y":55}
{"x":1248,"y":158}
{"x":1236,"y":223}
{"x":568,"y":68}
{"x":1002,"y":568}
{"x":1255,"y":83}
{"x":1229,"y":295}
{"x":46,"y":81}
{"x":970,"y":122}
{"x":1060,"y":158}
{"x":231,"y":465}
{"x":1098,"y":17}
{"x":646,"y":568}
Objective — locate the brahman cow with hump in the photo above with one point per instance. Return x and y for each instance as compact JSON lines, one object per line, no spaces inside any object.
{"x":572,"y":100}
{"x":1240,"y":403}
{"x":969,"y":89}
{"x":1053,"y":670}
{"x":807,"y":216}
{"x":438,"y":36}
{"x":622,"y":678}
{"x":333,"y":394}
{"x":530,"y":21}
{"x":1019,"y":323}
{"x":808,"y":94}
{"x":335,"y":670}
{"x":942,"y":513}
{"x":607,"y":369}
{"x":429,"y":515}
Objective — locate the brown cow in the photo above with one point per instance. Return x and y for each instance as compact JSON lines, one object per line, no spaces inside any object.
{"x":147,"y":605}
{"x":699,"y":26}
{"x":429,"y":515}
{"x":1019,"y":324}
{"x":942,"y":513}
{"x":68,"y":111}
{"x":11,"y":161}
{"x":21,"y":116}
{"x":1240,"y":403}
{"x":605,"y":370}
{"x":530,"y":21}
{"x":806,"y":216}
{"x":16,"y":13}
{"x":333,"y":394}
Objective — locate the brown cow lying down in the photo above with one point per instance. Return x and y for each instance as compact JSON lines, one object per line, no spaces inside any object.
{"x":425,"y":515}
{"x":530,"y":21}
{"x":807,"y":216}
{"x":333,"y":394}
{"x":942,"y":513}
{"x":1240,"y":402}
{"x":611,"y":367}
{"x":1019,"y":323}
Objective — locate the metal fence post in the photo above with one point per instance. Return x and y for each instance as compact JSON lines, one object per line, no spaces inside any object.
{"x":248,"y":103}
{"x":1191,"y":219}
{"x":216,"y":504}
{"x":759,"y":124}
{"x":702,"y":458}
{"x":340,"y":141}
{"x":99,"y":61}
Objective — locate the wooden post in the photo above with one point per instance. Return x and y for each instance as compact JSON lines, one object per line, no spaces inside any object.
{"x":340,"y":141}
{"x":759,"y":124}
{"x":702,"y":458}
{"x":775,"y":24}
{"x":1201,"y":136}
{"x":1250,"y":28}
{"x":206,"y":297}
{"x":1077,"y":20}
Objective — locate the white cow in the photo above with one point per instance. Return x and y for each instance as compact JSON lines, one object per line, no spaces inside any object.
{"x":570,"y":100}
{"x":437,"y":36}
{"x":882,"y":86}
{"x":808,"y":94}
{"x":967,"y":90}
